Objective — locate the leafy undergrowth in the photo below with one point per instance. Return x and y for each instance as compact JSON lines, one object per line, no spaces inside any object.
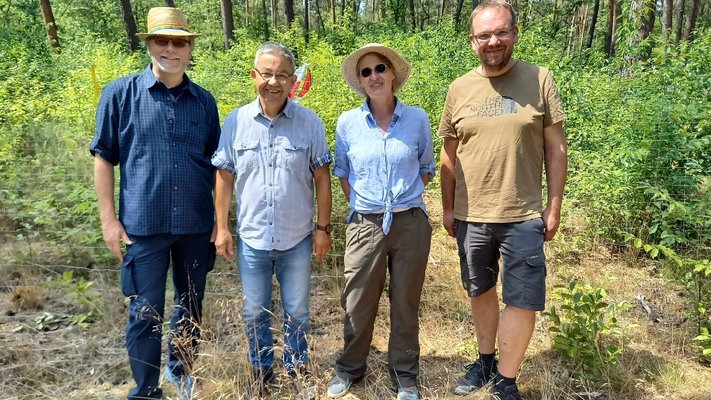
{"x":47,"y":354}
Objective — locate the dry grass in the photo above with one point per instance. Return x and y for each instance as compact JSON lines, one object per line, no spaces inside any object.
{"x":659,"y":361}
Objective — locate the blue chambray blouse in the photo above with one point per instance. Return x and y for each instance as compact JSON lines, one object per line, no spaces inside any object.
{"x":163,"y":146}
{"x":384,"y":171}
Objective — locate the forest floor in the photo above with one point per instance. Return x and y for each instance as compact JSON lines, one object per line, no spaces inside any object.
{"x":46,"y":355}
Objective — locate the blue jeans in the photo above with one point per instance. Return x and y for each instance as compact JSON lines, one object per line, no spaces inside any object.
{"x":143,"y":280}
{"x":293,"y":272}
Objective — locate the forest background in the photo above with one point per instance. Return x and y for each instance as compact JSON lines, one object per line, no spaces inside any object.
{"x":629,"y":306}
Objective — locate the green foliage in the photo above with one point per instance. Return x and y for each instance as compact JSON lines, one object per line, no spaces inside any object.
{"x":585,"y":329}
{"x":88,"y":303}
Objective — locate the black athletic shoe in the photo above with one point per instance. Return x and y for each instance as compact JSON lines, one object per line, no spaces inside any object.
{"x":477,"y":376}
{"x":509,"y":392}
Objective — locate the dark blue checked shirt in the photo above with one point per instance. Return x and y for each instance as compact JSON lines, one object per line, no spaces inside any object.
{"x":162,"y":144}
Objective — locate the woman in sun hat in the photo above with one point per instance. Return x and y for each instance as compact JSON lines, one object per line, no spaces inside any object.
{"x":384,"y":159}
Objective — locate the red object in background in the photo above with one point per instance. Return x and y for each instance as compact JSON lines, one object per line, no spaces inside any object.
{"x":302,"y":84}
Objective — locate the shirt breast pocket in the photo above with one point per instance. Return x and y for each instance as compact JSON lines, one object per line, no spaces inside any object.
{"x":292,"y":154}
{"x":246,"y":155}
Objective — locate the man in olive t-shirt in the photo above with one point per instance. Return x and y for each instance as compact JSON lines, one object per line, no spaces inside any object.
{"x":502,"y":122}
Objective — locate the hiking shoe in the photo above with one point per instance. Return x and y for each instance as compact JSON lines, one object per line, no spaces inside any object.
{"x":185,"y":384}
{"x":338,"y":387}
{"x":475,"y":378}
{"x":509,"y":392}
{"x":408,"y":393}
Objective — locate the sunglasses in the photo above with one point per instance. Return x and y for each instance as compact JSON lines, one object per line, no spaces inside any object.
{"x":367,"y":71}
{"x":177,"y":43}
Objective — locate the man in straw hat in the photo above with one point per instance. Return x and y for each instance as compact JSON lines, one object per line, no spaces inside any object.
{"x":271,"y":154}
{"x":384,"y":159}
{"x":501,"y":123}
{"x":161,"y":129}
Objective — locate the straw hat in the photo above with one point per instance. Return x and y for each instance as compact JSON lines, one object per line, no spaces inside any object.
{"x":400,"y":66}
{"x":166,"y":21}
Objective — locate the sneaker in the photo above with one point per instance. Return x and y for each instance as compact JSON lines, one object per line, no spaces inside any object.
{"x":408,"y":393}
{"x":475,"y":378}
{"x":509,"y":392}
{"x":338,"y":387}
{"x":185,"y":384}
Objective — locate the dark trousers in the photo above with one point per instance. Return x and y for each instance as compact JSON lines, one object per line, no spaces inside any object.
{"x":370,"y":254}
{"x":143,"y":280}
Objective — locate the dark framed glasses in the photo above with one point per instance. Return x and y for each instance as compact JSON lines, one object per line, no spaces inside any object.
{"x":367,"y":71}
{"x":177,"y":43}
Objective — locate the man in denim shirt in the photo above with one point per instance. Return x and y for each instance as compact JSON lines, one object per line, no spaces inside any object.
{"x":271,"y":153}
{"x":161,"y":129}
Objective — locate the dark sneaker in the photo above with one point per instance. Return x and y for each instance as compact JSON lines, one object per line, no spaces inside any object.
{"x":477,"y":377}
{"x":509,"y":392}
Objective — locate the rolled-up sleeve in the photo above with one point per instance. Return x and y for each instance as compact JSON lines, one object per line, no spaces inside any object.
{"x":223,"y":157}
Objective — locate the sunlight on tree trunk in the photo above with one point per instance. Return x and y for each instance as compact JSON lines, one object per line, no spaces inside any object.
{"x":50,"y":24}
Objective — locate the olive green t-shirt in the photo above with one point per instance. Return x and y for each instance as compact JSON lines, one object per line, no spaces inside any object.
{"x":499,"y":123}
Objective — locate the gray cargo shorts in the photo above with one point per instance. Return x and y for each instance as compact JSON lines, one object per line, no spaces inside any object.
{"x":520,"y":245}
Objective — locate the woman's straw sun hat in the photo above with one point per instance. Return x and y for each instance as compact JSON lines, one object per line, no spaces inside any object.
{"x":398,"y":64}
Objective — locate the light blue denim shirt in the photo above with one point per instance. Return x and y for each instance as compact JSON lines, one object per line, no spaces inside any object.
{"x":273,"y":163}
{"x":384,"y":171}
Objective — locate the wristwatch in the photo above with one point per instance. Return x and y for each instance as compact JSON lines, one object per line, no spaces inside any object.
{"x":328,"y":228}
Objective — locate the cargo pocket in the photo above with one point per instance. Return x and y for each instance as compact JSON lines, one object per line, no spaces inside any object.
{"x":128,"y":286}
{"x":536,"y":282}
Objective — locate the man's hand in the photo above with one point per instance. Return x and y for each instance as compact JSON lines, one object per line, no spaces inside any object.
{"x":321,"y":244}
{"x":448,"y":222}
{"x":224,"y":246}
{"x":114,"y":234}
{"x":551,"y":220}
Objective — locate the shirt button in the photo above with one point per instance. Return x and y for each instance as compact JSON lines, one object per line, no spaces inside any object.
{"x":175,"y":208}
{"x":175,"y":188}
{"x":173,"y":144}
{"x":175,"y":165}
{"x":271,"y":223}
{"x":271,"y":145}
{"x":270,"y":164}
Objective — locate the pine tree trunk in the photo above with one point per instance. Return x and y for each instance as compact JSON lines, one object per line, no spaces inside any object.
{"x":679,"y":20}
{"x":691,"y":20}
{"x":288,"y":12}
{"x":411,"y":4}
{"x":306,"y":20}
{"x":667,"y":12}
{"x":593,"y":23}
{"x":228,"y":22}
{"x":129,"y":23}
{"x":610,"y":28}
{"x":51,"y":25}
{"x":170,"y":3}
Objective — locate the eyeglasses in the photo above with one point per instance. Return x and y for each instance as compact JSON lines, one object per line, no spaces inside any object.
{"x":501,"y":34}
{"x":280,"y":78}
{"x":367,"y":71}
{"x":177,"y":43}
